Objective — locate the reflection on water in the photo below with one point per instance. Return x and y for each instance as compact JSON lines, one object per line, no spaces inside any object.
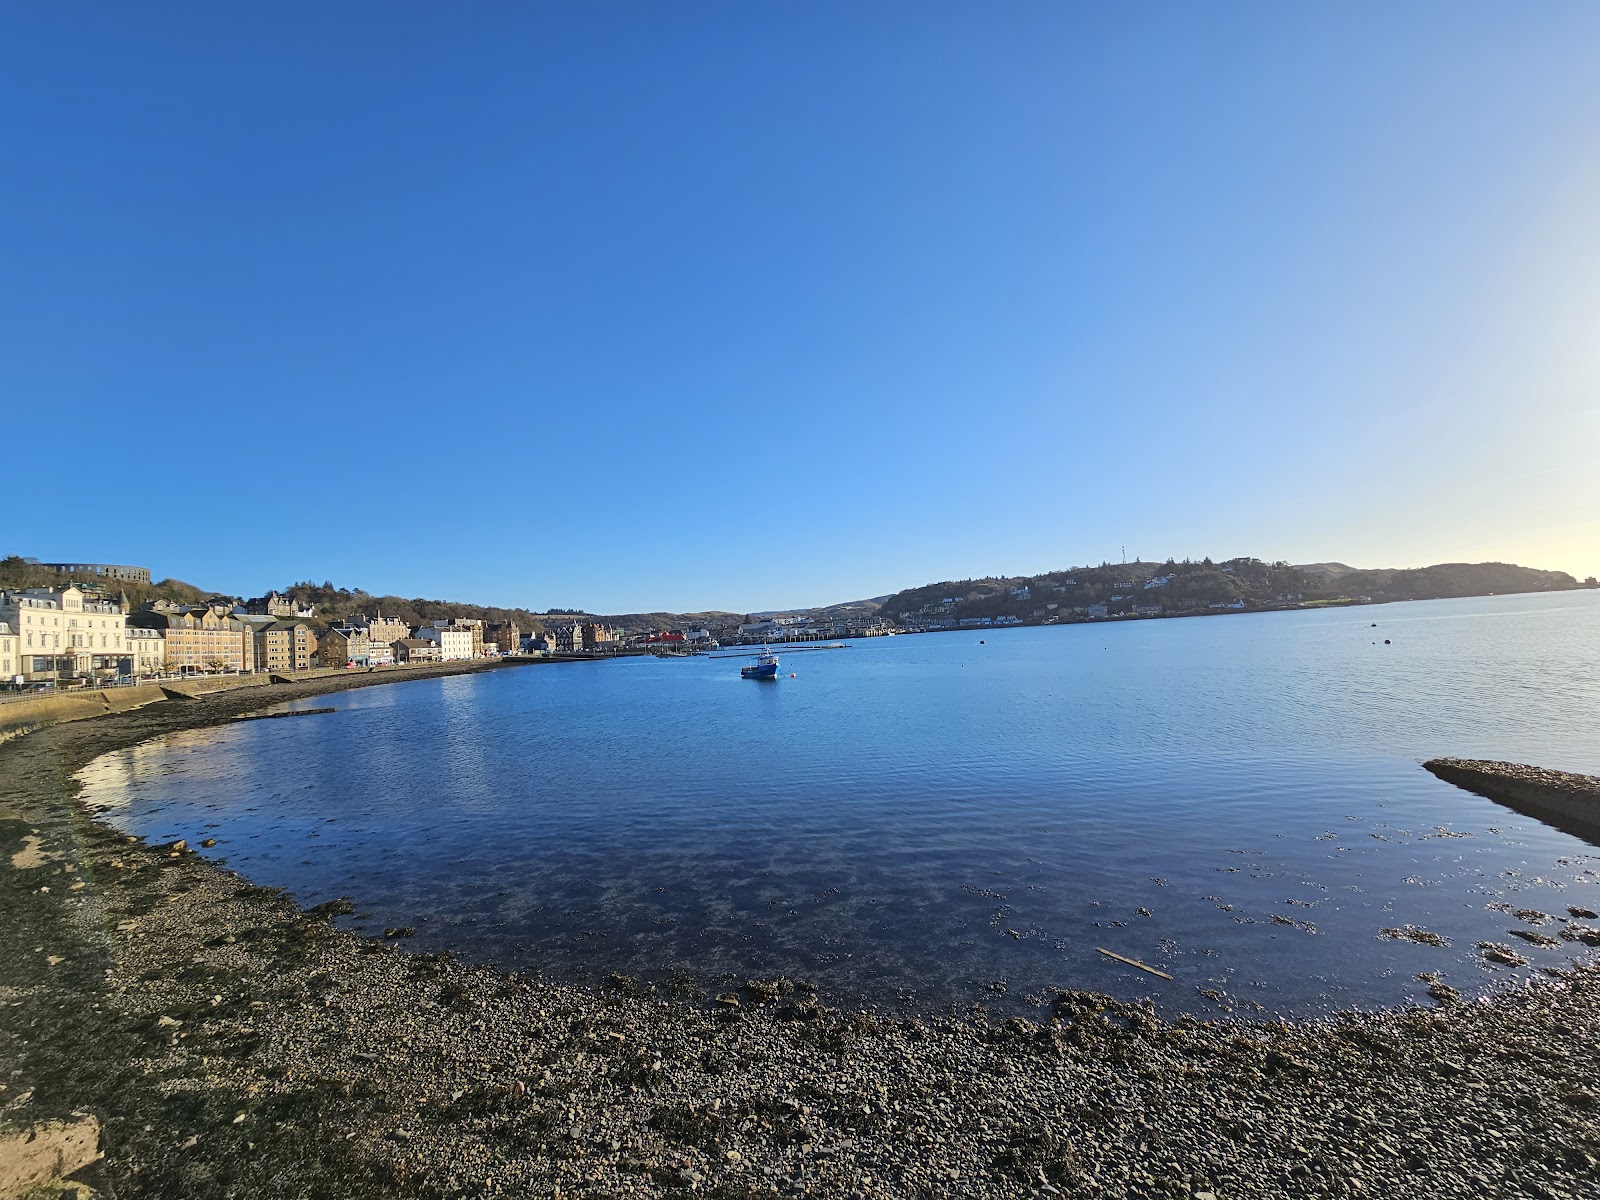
{"x":926,"y":820}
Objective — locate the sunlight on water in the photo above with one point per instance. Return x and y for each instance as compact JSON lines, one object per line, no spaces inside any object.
{"x":925,"y":821}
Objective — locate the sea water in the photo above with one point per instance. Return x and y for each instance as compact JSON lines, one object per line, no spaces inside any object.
{"x":939,"y":820}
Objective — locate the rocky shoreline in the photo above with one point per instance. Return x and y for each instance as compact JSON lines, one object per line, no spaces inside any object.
{"x":1560,"y":798}
{"x":232,"y":1045}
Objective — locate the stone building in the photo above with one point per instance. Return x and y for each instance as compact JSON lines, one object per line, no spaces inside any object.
{"x":200,"y":639}
{"x":380,"y":628}
{"x":99,"y":571}
{"x":337,"y":647}
{"x":410,"y":650}
{"x":596,"y":635}
{"x":505,"y":636}
{"x":275,"y":605}
{"x":285,"y":646}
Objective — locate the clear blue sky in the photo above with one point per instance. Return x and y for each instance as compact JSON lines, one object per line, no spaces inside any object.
{"x":635,"y":306}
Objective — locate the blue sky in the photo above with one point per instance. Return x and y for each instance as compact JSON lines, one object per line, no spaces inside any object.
{"x":636,"y":306}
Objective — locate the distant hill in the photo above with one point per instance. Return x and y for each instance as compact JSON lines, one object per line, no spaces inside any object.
{"x":17,"y":572}
{"x":1451,"y":579}
{"x":1326,"y":570}
{"x":848,"y":608}
{"x":1172,"y":588}
{"x":1166,"y":588}
{"x":642,"y":622}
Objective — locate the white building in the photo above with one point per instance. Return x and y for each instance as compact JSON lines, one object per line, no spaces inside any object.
{"x":62,"y":633}
{"x":147,"y":651}
{"x":453,"y":644}
{"x":10,"y":667}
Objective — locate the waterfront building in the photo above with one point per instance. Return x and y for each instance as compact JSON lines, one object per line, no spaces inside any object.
{"x":99,"y":571}
{"x":341,"y":646}
{"x":454,"y":644}
{"x":203,"y":638}
{"x":505,"y":636}
{"x":411,"y":650}
{"x":274,"y":605}
{"x":10,"y":657}
{"x":285,"y":646}
{"x":569,"y":638}
{"x":473,"y":627}
{"x":147,"y":651}
{"x":595,"y":635}
{"x":380,"y":628}
{"x":64,"y":632}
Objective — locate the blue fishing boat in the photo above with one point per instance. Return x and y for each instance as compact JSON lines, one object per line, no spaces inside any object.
{"x":765,"y":666}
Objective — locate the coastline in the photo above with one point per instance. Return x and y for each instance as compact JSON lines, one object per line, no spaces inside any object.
{"x":229,"y":1042}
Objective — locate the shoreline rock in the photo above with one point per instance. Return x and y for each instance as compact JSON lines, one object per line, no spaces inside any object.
{"x":1569,"y":801}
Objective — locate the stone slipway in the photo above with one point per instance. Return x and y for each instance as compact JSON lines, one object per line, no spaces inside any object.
{"x":1569,"y":802}
{"x":230,"y":1045}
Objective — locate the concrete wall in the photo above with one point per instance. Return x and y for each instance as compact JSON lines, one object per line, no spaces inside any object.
{"x":19,"y":716}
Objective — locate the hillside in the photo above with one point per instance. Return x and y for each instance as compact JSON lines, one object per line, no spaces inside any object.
{"x":1169,"y":588}
{"x":1451,"y":579}
{"x":1173,"y":588}
{"x":17,"y":572}
{"x":1325,"y":570}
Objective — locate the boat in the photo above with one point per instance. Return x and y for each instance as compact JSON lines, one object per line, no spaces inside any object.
{"x":765,"y":666}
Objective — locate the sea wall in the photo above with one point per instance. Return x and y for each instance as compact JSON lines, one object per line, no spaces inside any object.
{"x":30,"y":712}
{"x":1568,"y":801}
{"x":19,"y":715}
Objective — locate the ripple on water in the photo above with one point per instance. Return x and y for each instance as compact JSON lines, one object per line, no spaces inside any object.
{"x":1236,"y":802}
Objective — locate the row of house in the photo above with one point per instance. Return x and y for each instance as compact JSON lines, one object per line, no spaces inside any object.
{"x":70,"y":632}
{"x":48,"y":634}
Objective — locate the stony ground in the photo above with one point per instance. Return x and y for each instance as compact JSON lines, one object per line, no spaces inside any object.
{"x":235,"y":1046}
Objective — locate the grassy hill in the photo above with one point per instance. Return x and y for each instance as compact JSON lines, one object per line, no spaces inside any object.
{"x":1192,"y":587}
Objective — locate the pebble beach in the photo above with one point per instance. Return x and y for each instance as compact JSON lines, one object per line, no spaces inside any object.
{"x":228,"y":1043}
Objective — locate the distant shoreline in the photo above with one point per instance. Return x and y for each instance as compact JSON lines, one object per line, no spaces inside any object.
{"x":1126,"y":618}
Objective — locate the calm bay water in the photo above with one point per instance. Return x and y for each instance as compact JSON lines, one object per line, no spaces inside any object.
{"x":925,"y":821}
